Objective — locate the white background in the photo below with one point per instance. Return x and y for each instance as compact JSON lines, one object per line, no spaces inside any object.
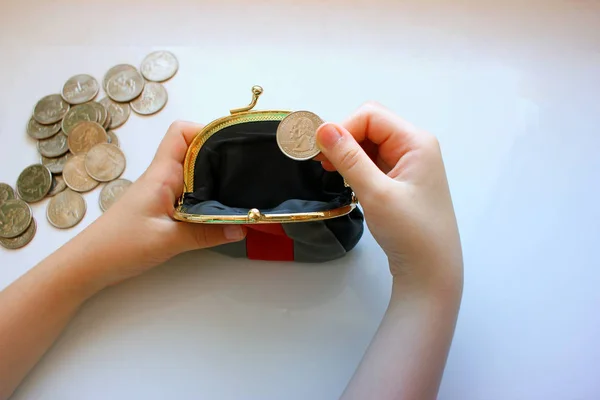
{"x":511,"y":88}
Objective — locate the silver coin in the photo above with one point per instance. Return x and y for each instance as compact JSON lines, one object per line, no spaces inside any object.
{"x":152,"y":100}
{"x":106,"y":125}
{"x":125,"y":86}
{"x":58,"y":185}
{"x":297,"y":135}
{"x":38,"y":131}
{"x":56,"y":146}
{"x":86,"y":135}
{"x":105,"y":162}
{"x":15,"y":217}
{"x":80,"y":89}
{"x":75,"y":175}
{"x":22,"y":240}
{"x":112,"y":138}
{"x":66,"y":209}
{"x":56,"y":165}
{"x":159,"y":66}
{"x":101,"y":110}
{"x":114,"y":71}
{"x":111,"y":192}
{"x":119,"y":112}
{"x":50,"y":109}
{"x":6,"y":193}
{"x":79,"y":113}
{"x":34,"y":183}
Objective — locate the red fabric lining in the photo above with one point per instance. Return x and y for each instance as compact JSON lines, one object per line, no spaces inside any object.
{"x":268,"y":242}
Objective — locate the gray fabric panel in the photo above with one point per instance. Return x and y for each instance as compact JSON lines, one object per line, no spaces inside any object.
{"x":313,"y":242}
{"x":235,"y":249}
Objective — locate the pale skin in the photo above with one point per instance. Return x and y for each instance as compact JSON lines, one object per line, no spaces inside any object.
{"x":398,"y":175}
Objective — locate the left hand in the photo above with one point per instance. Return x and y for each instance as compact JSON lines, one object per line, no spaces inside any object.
{"x":138,"y":232}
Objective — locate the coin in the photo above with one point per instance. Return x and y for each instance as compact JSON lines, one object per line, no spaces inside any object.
{"x":119,"y":112}
{"x":6,"y":193}
{"x":114,"y":71}
{"x":56,"y":146}
{"x":15,"y":217}
{"x":66,"y":209}
{"x":56,"y":165}
{"x":101,"y":111}
{"x":125,"y":85}
{"x":159,"y":66}
{"x":112,"y":138}
{"x":39,"y":131}
{"x":58,"y":185}
{"x":106,"y":125}
{"x":50,"y":109}
{"x":86,"y":135}
{"x":297,"y":135}
{"x":152,"y":100}
{"x":22,"y":240}
{"x":105,"y":162}
{"x":34,"y":183}
{"x":75,"y":175}
{"x":111,"y":192}
{"x":77,"y":114}
{"x":80,"y":89}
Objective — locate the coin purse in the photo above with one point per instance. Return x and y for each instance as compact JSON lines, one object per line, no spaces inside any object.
{"x":235,"y":173}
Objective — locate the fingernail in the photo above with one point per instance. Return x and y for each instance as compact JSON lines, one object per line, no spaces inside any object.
{"x":328,"y":135}
{"x":233,"y":232}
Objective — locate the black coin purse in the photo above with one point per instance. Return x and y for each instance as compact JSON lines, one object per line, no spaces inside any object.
{"x":235,"y":173}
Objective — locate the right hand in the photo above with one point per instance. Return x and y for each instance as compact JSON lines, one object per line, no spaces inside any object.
{"x":398,"y":175}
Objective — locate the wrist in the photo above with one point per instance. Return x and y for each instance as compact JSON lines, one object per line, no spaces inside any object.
{"x":432,"y":282}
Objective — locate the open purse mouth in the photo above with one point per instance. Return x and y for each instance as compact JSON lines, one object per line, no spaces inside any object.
{"x":235,"y":172}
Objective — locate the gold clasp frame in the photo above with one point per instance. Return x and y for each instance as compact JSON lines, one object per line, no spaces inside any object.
{"x":254,"y":216}
{"x":256,"y":92}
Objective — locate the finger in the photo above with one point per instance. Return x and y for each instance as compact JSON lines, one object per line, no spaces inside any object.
{"x":177,"y":140}
{"x":201,"y":236}
{"x":346,"y":155}
{"x":393,"y":135}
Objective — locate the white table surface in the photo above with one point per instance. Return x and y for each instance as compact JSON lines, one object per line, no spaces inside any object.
{"x":511,"y":89}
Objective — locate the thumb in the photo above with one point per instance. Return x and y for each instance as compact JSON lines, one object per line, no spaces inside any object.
{"x":201,"y":236}
{"x":351,"y":161}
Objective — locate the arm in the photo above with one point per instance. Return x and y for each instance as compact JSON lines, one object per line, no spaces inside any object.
{"x":136,"y":234}
{"x":398,"y":176}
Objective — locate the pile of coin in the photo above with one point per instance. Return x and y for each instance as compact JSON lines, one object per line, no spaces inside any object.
{"x":78,"y":147}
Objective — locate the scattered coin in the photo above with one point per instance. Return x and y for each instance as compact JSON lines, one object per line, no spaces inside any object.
{"x":77,"y":114}
{"x":119,"y":112}
{"x":111,"y":192}
{"x":105,"y":162}
{"x":22,"y":240}
{"x":75,"y":175}
{"x":86,"y":135}
{"x":34,"y":183}
{"x":6,"y":193}
{"x":101,"y":111}
{"x":80,"y":89}
{"x":159,"y":66}
{"x":50,"y":109}
{"x":58,"y":185}
{"x":106,"y":125}
{"x":125,"y":85}
{"x":55,"y":146}
{"x":114,"y":71}
{"x":296,"y":135}
{"x":39,"y":131}
{"x":66,"y":209}
{"x":15,"y":217}
{"x":152,"y":100}
{"x":56,"y":165}
{"x":112,"y":138}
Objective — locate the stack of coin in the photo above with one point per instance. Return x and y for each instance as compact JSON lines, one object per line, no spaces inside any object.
{"x":78,"y":147}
